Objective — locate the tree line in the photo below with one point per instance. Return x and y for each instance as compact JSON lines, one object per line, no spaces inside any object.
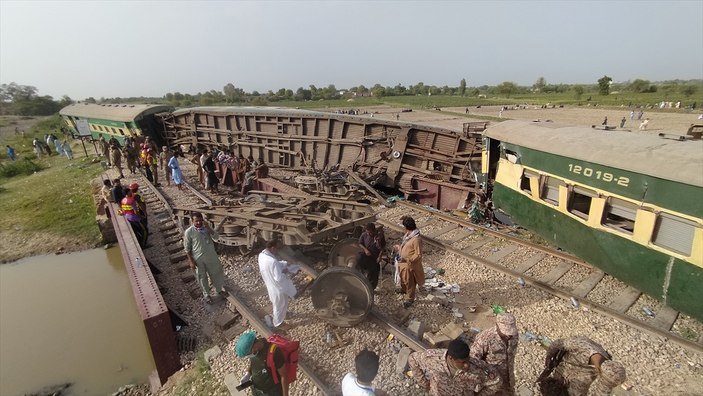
{"x":230,"y":94}
{"x":24,"y":100}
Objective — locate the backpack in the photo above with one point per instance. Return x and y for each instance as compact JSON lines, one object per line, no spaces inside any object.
{"x":290,"y":355}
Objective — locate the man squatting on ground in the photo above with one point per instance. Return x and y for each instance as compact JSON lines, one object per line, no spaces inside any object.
{"x":451,"y":371}
{"x":279,"y":286}
{"x":575,"y":364}
{"x":199,"y":246}
{"x":366,"y":365}
{"x":372,"y":241}
{"x":496,"y":346}
{"x":261,"y":376}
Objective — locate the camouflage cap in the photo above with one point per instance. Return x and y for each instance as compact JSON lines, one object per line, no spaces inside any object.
{"x":506,"y":324}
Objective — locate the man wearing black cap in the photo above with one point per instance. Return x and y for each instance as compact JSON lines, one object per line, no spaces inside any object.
{"x":451,"y":371}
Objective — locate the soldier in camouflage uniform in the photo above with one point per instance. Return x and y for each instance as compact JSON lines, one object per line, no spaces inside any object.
{"x":451,"y":371}
{"x":496,"y":346}
{"x":575,"y":363}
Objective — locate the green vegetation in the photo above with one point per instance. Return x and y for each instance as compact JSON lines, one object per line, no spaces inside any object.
{"x":50,"y":195}
{"x":23,"y":100}
{"x":25,"y":166}
{"x":200,"y":377}
{"x":636,"y":93}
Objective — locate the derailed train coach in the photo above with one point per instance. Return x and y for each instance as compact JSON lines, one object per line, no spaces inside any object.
{"x":114,"y":120}
{"x":627,"y":203}
{"x":433,"y":166}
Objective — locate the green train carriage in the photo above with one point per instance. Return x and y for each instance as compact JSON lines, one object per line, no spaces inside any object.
{"x":628,"y":203}
{"x":115,"y":120}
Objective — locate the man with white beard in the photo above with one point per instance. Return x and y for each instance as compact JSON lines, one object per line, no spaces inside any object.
{"x":280,"y":287}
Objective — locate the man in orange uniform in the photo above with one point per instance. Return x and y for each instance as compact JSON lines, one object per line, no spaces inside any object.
{"x":129,"y":209}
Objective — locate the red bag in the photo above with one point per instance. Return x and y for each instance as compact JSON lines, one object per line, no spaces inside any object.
{"x":290,"y":356}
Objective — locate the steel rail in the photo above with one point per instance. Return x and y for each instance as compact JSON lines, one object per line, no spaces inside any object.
{"x":261,"y":328}
{"x":517,"y":240}
{"x":258,"y":324}
{"x":688,"y":344}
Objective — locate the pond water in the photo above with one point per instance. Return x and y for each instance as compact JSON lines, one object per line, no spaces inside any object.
{"x":70,"y":318}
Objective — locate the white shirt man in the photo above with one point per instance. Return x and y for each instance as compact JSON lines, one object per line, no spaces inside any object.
{"x":280,"y":287}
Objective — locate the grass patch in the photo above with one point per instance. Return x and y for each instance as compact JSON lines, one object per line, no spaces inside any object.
{"x":47,"y":196}
{"x":25,"y":166}
{"x":689,"y":334}
{"x":58,"y":199}
{"x":200,"y":377}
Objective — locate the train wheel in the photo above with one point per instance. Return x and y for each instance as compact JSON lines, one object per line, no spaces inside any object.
{"x":341,"y":296}
{"x":343,"y":253}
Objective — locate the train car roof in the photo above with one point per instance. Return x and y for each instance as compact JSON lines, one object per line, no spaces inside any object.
{"x":667,"y":159}
{"x":114,"y":112}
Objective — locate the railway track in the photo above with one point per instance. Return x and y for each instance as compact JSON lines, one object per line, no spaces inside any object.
{"x":252,"y":304}
{"x":545,"y":269}
{"x":492,"y":249}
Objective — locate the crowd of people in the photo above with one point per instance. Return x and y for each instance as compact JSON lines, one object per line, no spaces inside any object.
{"x":244,"y":170}
{"x":573,"y":366}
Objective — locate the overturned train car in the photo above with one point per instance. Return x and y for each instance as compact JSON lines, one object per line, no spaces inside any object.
{"x":629,"y":204}
{"x":433,"y":166}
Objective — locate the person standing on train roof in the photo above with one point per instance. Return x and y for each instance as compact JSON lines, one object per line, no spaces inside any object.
{"x":280,"y":288}
{"x":199,"y":245}
{"x":497,"y":346}
{"x":452,"y":371}
{"x":410,"y":261}
{"x":579,"y":366}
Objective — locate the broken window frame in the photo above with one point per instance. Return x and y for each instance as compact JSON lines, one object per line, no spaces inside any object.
{"x":525,"y":181}
{"x":577,"y":199}
{"x":620,"y":215}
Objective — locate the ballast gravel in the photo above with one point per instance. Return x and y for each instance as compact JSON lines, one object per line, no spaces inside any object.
{"x":654,"y":365}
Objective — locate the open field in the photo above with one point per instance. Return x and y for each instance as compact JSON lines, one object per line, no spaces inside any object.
{"x":454,"y":117}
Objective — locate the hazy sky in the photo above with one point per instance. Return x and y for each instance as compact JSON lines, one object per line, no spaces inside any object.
{"x":135,"y":48}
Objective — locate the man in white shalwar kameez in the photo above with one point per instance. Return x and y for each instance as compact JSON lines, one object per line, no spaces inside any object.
{"x":280,"y":287}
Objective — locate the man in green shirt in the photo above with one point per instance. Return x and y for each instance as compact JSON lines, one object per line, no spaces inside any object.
{"x":257,"y":349}
{"x":199,"y":245}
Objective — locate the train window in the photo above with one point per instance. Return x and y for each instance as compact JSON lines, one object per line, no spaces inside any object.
{"x":620,"y":214}
{"x":121,"y":131}
{"x":580,"y":203}
{"x":674,"y":233}
{"x":113,"y":130}
{"x":525,"y":181}
{"x":550,"y":190}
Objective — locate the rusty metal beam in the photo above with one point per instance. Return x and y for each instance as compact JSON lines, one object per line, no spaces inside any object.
{"x":150,"y":304}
